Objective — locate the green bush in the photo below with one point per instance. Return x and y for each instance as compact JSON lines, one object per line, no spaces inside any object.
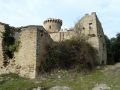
{"x":69,"y":54}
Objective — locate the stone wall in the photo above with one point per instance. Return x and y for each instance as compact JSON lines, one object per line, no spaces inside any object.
{"x":69,"y":34}
{"x":90,"y":27}
{"x":25,"y":58}
{"x":102,"y":43}
{"x":43,"y":39}
{"x":55,"y":36}
{"x":34,"y":39}
{"x":31,"y":52}
{"x":2,"y":29}
{"x":61,"y":36}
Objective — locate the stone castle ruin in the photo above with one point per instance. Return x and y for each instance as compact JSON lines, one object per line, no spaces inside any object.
{"x":26,"y":49}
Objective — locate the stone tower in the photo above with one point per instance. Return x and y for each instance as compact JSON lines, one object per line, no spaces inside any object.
{"x":90,"y":27}
{"x":52,"y":25}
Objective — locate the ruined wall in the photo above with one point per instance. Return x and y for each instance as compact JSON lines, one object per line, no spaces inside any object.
{"x":43,"y":40}
{"x":25,"y":58}
{"x":34,"y":39}
{"x":53,"y":27}
{"x":55,"y":36}
{"x":102,"y":43}
{"x":69,"y":34}
{"x":61,"y":36}
{"x":90,"y":27}
{"x":2,"y":29}
{"x":31,"y":52}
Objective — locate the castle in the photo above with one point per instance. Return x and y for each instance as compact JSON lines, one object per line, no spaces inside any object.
{"x":32,"y":40}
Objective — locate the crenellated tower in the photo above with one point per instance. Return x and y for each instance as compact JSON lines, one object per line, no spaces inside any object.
{"x":52,"y":25}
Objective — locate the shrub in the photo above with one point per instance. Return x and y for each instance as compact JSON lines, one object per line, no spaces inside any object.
{"x":69,"y":54}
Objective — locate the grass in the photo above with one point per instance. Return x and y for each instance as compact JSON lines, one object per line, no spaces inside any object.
{"x":14,"y":82}
{"x":74,"y":80}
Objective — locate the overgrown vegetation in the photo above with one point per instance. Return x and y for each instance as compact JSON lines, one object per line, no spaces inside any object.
{"x":69,"y":54}
{"x":74,"y":80}
{"x":113,"y":49}
{"x":15,"y":82}
{"x":9,"y":44}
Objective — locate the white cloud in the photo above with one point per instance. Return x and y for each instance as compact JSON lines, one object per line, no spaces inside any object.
{"x":24,"y":12}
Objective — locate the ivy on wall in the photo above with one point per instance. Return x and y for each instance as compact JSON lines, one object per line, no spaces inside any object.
{"x":9,"y":44}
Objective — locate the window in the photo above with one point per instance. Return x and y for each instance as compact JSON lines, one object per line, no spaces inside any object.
{"x":91,"y":35}
{"x":49,"y":27}
{"x":90,"y":23}
{"x":90,"y":26}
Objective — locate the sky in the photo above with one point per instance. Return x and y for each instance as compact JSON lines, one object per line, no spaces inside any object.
{"x":33,"y":12}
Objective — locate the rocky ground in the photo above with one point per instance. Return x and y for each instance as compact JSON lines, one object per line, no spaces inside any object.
{"x":112,"y":71}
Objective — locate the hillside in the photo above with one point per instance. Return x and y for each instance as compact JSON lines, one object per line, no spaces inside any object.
{"x":106,"y":76}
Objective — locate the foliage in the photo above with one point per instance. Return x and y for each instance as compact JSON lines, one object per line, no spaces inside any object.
{"x":113,"y":49}
{"x":14,"y":82}
{"x":110,"y":58}
{"x":116,"y":47}
{"x":69,"y":54}
{"x":9,"y":43}
{"x":74,"y":80}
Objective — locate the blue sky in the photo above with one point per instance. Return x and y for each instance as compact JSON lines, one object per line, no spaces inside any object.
{"x":27,"y":12}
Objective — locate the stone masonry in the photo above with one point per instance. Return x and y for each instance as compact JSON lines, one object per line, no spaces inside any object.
{"x":33,"y":41}
{"x":88,"y":27}
{"x":2,"y":28}
{"x":27,"y":60}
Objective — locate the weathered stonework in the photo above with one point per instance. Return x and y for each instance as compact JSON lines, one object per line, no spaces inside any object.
{"x":2,"y":28}
{"x":90,"y":28}
{"x":26,"y":64}
{"x":52,"y":25}
{"x":26,"y":61}
{"x":33,"y":40}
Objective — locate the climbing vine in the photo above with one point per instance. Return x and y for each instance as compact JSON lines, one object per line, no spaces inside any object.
{"x":9,"y":44}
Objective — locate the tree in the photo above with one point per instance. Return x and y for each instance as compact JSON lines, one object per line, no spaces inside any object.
{"x":110,"y":59}
{"x":115,"y":42}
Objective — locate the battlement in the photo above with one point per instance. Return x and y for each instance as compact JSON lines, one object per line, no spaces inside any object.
{"x":52,"y":25}
{"x":53,"y":20}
